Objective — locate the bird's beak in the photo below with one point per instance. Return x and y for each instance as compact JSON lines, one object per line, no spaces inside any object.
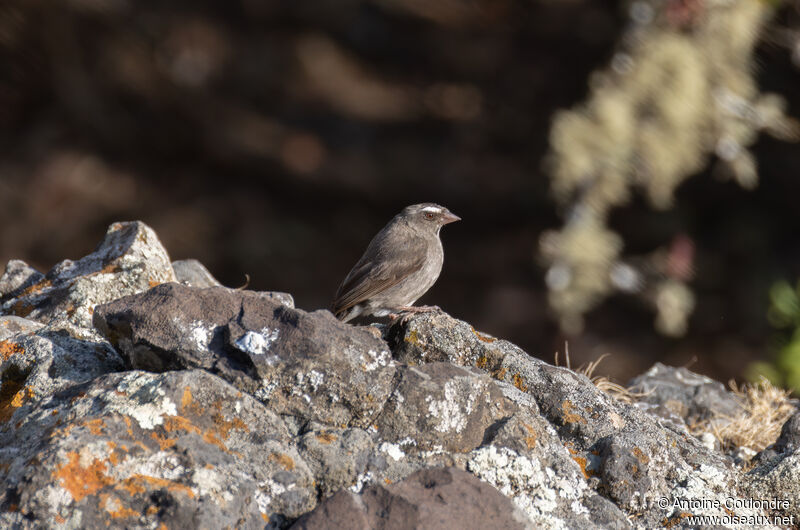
{"x":450,"y":218}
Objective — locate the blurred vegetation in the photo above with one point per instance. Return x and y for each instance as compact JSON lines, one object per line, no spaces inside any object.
{"x":679,"y":93}
{"x":784,"y":316}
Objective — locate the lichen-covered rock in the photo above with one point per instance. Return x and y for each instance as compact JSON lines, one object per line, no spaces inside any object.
{"x":11,"y":325}
{"x":682,"y":396}
{"x":608,"y":438}
{"x":140,"y":450}
{"x":130,"y":259}
{"x":259,"y":411}
{"x":36,"y":362}
{"x":778,"y":481}
{"x":442,"y":406}
{"x":302,"y":364}
{"x":445,"y":498}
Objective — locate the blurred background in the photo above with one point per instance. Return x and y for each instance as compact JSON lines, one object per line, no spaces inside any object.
{"x":627,"y":172}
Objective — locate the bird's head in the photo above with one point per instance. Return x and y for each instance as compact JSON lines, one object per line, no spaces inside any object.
{"x":428,"y":217}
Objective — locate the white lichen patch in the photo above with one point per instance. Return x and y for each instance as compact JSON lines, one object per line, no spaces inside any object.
{"x":200,"y":334}
{"x":537,"y":491}
{"x":143,"y":401}
{"x":392,"y":450}
{"x":210,"y":482}
{"x":265,"y":392}
{"x":258,"y":343}
{"x":376,"y":359}
{"x":449,"y":410}
{"x":363,"y":479}
{"x":161,"y":465}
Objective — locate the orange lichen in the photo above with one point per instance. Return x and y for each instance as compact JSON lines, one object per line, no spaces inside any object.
{"x":186,"y":400}
{"x":163,"y":441}
{"x":582,"y":463}
{"x":483,"y":338}
{"x":639,"y":454}
{"x":59,"y":519}
{"x":128,"y":424}
{"x":81,"y":481}
{"x":22,"y":308}
{"x":114,"y":453}
{"x":95,"y":426}
{"x":482,"y":362}
{"x":36,"y":288}
{"x":519,"y":382}
{"x":12,"y":397}
{"x":325,"y":437}
{"x":118,"y":512}
{"x":530,"y":440}
{"x":283,"y":460}
{"x":158,"y":483}
{"x":568,"y":415}
{"x":8,"y":348}
{"x":673,"y":521}
{"x":225,"y":426}
{"x":500,"y":374}
{"x":173,"y":423}
{"x":152,"y":283}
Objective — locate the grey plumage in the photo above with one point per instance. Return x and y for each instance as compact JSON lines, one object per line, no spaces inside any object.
{"x":400,"y":264}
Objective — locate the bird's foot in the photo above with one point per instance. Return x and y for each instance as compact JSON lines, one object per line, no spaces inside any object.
{"x":404,"y":313}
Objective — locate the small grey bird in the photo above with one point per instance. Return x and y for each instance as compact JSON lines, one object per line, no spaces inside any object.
{"x":400,"y":264}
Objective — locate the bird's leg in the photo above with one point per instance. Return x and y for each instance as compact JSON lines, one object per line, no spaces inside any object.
{"x":405,"y":312}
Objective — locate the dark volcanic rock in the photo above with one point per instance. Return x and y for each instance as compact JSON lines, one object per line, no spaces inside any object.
{"x":193,"y":273}
{"x":264,"y":411}
{"x":445,"y":498}
{"x":609,"y":439}
{"x":442,"y":406}
{"x":302,"y":364}
{"x":130,"y":259}
{"x":682,"y":396}
{"x":135,"y":447}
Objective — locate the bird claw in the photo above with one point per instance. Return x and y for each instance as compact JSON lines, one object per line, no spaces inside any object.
{"x":405,"y":313}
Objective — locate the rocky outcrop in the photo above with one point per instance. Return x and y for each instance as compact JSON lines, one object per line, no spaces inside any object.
{"x":131,"y":400}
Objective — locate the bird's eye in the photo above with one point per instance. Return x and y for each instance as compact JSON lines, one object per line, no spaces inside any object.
{"x":428,"y":216}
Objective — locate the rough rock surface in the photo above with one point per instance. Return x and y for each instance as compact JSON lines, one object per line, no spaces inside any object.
{"x":130,"y":259}
{"x":129,"y":401}
{"x":303,"y":364}
{"x":445,"y":498}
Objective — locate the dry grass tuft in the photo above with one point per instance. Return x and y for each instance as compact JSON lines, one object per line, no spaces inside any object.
{"x":611,"y":388}
{"x":765,"y":409}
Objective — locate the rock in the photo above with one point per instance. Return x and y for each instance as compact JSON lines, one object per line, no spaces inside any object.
{"x":778,"y":482}
{"x":193,"y":273}
{"x":445,"y":498}
{"x":212,"y":407}
{"x":606,"y":437}
{"x":682,"y":396}
{"x":37,"y":362}
{"x":138,"y":450}
{"x":18,"y":276}
{"x":11,"y":326}
{"x":788,"y":442}
{"x":442,"y":406}
{"x":302,"y":364}
{"x":337,"y":457}
{"x":130,"y":259}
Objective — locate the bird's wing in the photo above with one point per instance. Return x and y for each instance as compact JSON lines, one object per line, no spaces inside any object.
{"x":391,"y":265}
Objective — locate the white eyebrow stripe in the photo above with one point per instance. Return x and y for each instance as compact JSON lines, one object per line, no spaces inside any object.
{"x":432,"y":209}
